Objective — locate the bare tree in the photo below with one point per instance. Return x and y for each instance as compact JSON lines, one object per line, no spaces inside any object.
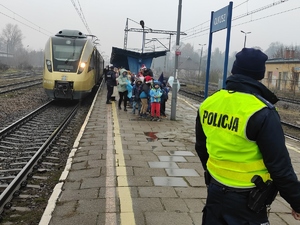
{"x":12,"y":35}
{"x":275,"y":50}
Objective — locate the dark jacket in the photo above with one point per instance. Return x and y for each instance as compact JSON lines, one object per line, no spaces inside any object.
{"x":146,"y":87}
{"x":110,"y":78}
{"x":136,"y":91}
{"x":264,"y":127}
{"x":148,"y":72}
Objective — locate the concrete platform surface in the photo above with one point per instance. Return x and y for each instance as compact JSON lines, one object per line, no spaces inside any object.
{"x":131,"y":171}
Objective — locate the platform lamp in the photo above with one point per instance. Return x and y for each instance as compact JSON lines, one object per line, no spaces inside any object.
{"x":245,"y":37}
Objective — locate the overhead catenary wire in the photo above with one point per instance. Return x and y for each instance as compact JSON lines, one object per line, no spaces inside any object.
{"x":252,"y":20}
{"x":207,"y":21}
{"x":81,"y":15}
{"x":204,"y":29}
{"x":39,"y":28}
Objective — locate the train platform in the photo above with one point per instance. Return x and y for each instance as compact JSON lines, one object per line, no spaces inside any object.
{"x":129,"y":171}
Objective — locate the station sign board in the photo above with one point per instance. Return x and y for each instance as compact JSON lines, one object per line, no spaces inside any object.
{"x":220,"y":19}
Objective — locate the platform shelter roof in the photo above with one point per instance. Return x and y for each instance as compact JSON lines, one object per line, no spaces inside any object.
{"x":131,"y":60}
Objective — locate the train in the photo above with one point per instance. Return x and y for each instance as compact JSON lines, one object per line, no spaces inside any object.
{"x":73,"y":66}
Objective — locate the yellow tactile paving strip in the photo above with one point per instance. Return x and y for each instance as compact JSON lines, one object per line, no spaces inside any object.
{"x":126,"y":209}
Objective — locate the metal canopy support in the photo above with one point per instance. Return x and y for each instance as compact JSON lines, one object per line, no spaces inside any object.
{"x":154,"y":31}
{"x":148,"y":30}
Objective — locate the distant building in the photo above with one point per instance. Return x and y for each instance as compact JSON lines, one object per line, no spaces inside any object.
{"x":282,"y":74}
{"x":5,"y":58}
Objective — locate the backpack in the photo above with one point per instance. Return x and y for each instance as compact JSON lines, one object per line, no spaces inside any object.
{"x":164,"y":95}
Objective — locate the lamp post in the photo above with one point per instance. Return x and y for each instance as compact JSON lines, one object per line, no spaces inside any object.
{"x":177,"y":53}
{"x":200,"y":60}
{"x":245,"y":37}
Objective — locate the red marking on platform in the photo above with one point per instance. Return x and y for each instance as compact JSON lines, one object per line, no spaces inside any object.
{"x":151,"y":135}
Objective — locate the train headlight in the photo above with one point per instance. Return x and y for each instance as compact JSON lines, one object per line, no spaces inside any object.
{"x":49,"y":65}
{"x":81,"y":67}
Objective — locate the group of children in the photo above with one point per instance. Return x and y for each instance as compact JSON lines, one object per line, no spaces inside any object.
{"x":143,"y":93}
{"x":149,"y":96}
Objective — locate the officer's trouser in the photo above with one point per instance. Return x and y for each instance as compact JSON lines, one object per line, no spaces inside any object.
{"x":226,"y":207}
{"x":110,"y":90}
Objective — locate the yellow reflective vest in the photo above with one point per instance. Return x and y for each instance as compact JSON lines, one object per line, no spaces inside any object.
{"x":233,"y":158}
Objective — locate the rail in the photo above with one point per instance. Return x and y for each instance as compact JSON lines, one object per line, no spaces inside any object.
{"x":20,"y":179}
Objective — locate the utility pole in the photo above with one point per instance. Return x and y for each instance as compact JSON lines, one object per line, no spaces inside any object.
{"x":200,"y":60}
{"x":177,"y":53}
{"x":126,"y":35}
{"x":142,"y":23}
{"x":245,"y":37}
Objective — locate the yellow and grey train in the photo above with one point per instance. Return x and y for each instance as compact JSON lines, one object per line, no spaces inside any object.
{"x":72,"y":65}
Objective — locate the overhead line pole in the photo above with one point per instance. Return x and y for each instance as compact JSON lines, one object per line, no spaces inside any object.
{"x":126,"y":35}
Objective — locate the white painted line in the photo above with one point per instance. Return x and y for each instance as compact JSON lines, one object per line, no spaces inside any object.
{"x":47,"y":215}
{"x":45,"y":220}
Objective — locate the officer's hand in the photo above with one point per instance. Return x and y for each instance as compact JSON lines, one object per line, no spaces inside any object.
{"x":296,"y":215}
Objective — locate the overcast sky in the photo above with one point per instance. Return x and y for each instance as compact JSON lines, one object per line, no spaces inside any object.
{"x":39,"y":19}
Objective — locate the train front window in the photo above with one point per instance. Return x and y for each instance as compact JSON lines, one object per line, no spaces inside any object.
{"x":66,"y":54}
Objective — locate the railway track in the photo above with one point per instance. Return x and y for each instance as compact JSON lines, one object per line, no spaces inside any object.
{"x":19,"y":80}
{"x":291,"y":130}
{"x":19,"y":85}
{"x":24,"y":150}
{"x":214,"y":87}
{"x":290,"y":100}
{"x":18,"y":75}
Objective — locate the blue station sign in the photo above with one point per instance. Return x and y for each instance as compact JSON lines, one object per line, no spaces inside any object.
{"x":220,"y":19}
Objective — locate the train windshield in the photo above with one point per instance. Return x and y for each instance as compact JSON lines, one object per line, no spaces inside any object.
{"x":66,"y":54}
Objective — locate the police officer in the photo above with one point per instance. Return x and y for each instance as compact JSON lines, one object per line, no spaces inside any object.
{"x":110,"y":79}
{"x":238,"y":136}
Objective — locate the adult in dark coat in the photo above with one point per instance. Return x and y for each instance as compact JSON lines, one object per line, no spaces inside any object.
{"x":263,"y":129}
{"x":110,"y":79}
{"x":146,"y":71}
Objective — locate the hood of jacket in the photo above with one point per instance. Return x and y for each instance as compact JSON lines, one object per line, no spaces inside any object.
{"x":242,"y":83}
{"x":121,"y":71}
